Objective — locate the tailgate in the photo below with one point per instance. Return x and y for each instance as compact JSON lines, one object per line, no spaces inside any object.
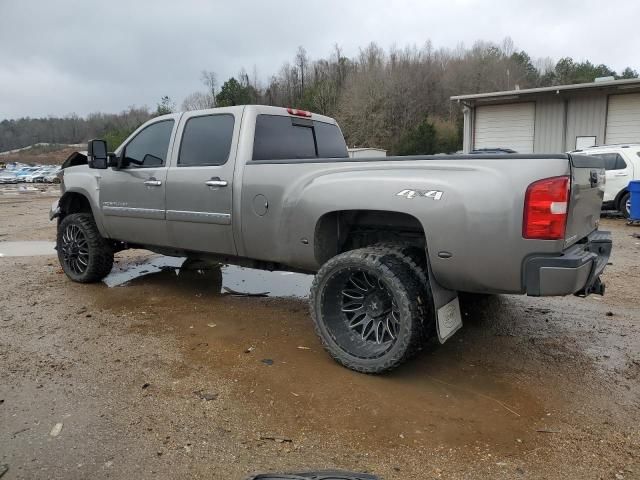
{"x":587,"y":191}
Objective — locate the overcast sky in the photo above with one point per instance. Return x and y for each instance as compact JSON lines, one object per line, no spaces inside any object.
{"x":64,"y":56}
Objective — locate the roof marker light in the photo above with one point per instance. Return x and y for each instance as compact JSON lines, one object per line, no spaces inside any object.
{"x":298,"y":113}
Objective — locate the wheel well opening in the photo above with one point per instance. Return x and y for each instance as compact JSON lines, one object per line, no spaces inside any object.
{"x":620,"y":195}
{"x":344,"y":230}
{"x":74,"y":203}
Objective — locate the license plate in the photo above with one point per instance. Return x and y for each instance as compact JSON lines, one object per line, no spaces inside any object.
{"x":449,"y":320}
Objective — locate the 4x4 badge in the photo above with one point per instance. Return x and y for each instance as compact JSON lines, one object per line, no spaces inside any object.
{"x":433,"y":194}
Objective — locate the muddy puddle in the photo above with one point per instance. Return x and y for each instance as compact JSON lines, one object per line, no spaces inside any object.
{"x":27,"y":248}
{"x":284,"y":379}
{"x":226,"y":279}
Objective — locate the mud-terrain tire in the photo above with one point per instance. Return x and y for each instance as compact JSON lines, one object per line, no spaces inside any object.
{"x":416,"y":260}
{"x":84,"y":255}
{"x":622,"y":206}
{"x":365,"y":338}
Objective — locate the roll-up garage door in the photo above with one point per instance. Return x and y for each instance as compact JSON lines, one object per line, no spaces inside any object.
{"x":505,"y":126}
{"x":623,"y":118}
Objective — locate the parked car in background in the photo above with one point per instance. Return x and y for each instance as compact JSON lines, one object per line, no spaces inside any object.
{"x":8,"y":177}
{"x":23,"y":173}
{"x":622,"y":164}
{"x":46,"y":174}
{"x":15,"y":173}
{"x":36,"y":175}
{"x":53,"y":176}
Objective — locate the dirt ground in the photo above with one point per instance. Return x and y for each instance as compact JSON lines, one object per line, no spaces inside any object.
{"x":162,"y":376}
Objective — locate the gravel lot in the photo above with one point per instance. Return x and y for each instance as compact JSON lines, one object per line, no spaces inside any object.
{"x":164,"y":377}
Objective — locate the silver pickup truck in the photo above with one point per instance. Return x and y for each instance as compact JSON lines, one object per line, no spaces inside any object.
{"x":392,"y":241}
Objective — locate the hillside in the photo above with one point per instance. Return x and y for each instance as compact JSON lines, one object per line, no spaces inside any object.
{"x":43,"y":155}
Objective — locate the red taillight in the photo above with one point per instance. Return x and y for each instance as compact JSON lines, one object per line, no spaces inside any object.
{"x":545,"y":209}
{"x":299,"y":113}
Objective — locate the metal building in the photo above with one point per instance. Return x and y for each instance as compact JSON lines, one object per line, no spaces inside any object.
{"x":553,"y":119}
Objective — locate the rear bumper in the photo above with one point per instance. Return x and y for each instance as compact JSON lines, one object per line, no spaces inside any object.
{"x":576,"y":271}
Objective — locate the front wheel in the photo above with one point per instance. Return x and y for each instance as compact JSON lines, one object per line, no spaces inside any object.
{"x":84,"y":255}
{"x":366,"y":306}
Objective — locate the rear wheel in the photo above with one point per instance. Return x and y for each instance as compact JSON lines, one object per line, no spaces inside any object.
{"x":84,"y":255}
{"x":416,"y":259}
{"x":366,"y":305}
{"x":625,"y":205}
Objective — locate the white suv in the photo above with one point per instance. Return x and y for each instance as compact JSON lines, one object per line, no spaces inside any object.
{"x":622,"y":163}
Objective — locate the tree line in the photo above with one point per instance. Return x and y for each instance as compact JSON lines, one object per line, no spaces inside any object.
{"x":397,"y":99}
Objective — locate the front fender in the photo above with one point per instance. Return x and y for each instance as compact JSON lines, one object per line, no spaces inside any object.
{"x":67,"y":198}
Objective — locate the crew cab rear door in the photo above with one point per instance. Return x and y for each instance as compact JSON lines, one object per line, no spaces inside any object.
{"x":200,"y":181}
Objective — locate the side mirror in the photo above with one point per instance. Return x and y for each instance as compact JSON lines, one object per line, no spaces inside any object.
{"x":97,"y":154}
{"x":112,"y":160}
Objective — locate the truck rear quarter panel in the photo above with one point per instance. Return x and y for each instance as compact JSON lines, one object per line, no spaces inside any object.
{"x":477,"y":220}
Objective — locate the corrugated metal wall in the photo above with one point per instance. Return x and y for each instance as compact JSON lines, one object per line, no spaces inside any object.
{"x":549,"y":130}
{"x":586,"y":116}
{"x":558,"y":121}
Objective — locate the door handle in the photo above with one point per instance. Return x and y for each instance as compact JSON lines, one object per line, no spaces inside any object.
{"x":216,"y":182}
{"x":152,"y":182}
{"x":620,"y":174}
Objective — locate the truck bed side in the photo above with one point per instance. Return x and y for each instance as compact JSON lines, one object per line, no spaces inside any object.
{"x":473,"y":228}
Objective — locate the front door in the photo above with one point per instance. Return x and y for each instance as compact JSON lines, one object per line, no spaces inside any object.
{"x":200,"y":183}
{"x":132,"y":199}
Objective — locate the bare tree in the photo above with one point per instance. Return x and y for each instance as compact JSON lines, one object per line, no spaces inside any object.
{"x":210,"y":81}
{"x":198,"y":101}
{"x":301,"y":62}
{"x":254,"y":78}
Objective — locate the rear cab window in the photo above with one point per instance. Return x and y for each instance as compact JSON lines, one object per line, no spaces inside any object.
{"x":286,"y":138}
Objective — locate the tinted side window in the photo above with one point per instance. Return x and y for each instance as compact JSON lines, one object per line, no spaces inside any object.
{"x":149,"y":147}
{"x":206,"y":140}
{"x":330,"y":141}
{"x":279,"y":138}
{"x":612,"y":161}
{"x":620,"y":163}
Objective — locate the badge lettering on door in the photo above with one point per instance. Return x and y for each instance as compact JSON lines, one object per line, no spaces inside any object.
{"x":433,"y":194}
